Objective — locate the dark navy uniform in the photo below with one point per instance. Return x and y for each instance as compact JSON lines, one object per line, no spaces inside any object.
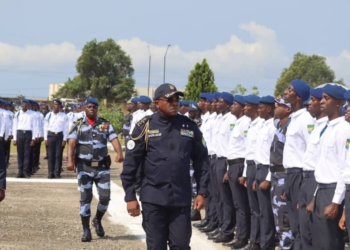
{"x":163,"y":148}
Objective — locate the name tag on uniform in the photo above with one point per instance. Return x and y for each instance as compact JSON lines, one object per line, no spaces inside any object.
{"x":187,"y":133}
{"x":154,"y":135}
{"x":155,"y":131}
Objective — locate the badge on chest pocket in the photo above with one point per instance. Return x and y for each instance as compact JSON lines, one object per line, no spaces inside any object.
{"x":103,"y":127}
{"x":187,"y":133}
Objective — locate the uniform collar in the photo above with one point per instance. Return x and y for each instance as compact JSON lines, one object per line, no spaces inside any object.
{"x":269,"y":121}
{"x":322,"y":120}
{"x":336,"y":121}
{"x":226,"y":115}
{"x":213,"y":114}
{"x":297,"y":113}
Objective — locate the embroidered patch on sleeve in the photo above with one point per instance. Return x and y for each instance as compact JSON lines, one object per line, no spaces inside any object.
{"x":310,"y":128}
{"x":232,"y":126}
{"x":347,"y":143}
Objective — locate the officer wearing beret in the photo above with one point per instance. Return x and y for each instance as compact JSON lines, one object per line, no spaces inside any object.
{"x":163,"y":145}
{"x":88,"y":153}
{"x":184,"y":104}
{"x":2,"y":167}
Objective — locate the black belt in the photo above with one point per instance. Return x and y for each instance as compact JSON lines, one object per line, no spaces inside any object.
{"x":294,"y":170}
{"x":91,"y":163}
{"x":213,"y":157}
{"x":259,"y":166}
{"x":221,"y":158}
{"x":235,"y":161}
{"x":56,"y":133}
{"x":326,"y":186}
{"x":347,"y":186}
{"x":24,"y":131}
{"x":250,"y":162}
{"x":277,"y":168}
{"x":308,"y":174}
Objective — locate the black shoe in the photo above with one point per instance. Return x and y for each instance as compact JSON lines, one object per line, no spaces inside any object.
{"x":207,"y":229}
{"x":212,"y":237}
{"x":27,"y":176}
{"x":98,"y":227}
{"x":230,"y":243}
{"x":223,"y":238}
{"x":253,"y":246}
{"x":201,"y":224}
{"x":19,"y":175}
{"x":214,"y":232}
{"x":50,"y":176}
{"x":57,"y":176}
{"x":240,"y":244}
{"x":195,"y":215}
{"x":86,"y":236}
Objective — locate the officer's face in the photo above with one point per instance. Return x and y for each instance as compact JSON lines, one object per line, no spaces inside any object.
{"x":222,"y":105}
{"x":347,"y":114}
{"x":314,"y":107}
{"x":24,"y":106}
{"x":264,"y":111}
{"x":250,"y":110}
{"x":236,"y":109}
{"x":168,"y":106}
{"x":91,"y":110}
{"x":208,"y":106}
{"x":201,"y":103}
{"x":213,"y":105}
{"x":290,"y":96}
{"x":193,"y":114}
{"x":329,"y":105}
{"x":144,"y":106}
{"x":183,"y":109}
{"x":56,"y":107}
{"x":282,"y":111}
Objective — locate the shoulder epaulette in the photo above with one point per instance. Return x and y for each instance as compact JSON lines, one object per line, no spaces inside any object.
{"x":76,"y":123}
{"x":142,"y":121}
{"x":189,"y":119}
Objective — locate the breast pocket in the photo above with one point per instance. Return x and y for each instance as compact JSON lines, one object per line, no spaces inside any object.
{"x":185,"y":146}
{"x":328,"y":148}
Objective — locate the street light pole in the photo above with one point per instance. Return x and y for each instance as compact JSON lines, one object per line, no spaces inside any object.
{"x":149,"y":69}
{"x":165,"y":62}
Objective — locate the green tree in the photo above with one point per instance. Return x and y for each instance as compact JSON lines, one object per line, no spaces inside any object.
{"x":201,"y":79}
{"x":104,"y":71}
{"x":113,"y":113}
{"x":312,"y":69}
{"x":240,"y":90}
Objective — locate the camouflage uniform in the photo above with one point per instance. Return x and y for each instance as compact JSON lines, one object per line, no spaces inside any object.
{"x":92,"y":162}
{"x":278,"y":175}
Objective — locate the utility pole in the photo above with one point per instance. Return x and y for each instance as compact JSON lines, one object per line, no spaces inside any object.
{"x":165,"y":62}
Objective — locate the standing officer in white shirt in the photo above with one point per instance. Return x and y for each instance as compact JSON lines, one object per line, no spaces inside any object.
{"x":24,"y":125}
{"x":308,"y":185}
{"x":331,"y":161}
{"x":203,"y":97}
{"x":55,"y":136}
{"x":225,"y":196}
{"x":8,"y":132}
{"x":235,"y":160}
{"x":299,"y":129}
{"x":262,"y":184}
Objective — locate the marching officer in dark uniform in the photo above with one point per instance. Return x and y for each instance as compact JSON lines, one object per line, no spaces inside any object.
{"x":163,"y":145}
{"x":2,"y":173}
{"x":87,"y":151}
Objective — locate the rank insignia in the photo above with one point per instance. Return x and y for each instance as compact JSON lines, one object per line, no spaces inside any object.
{"x":310,"y":128}
{"x":187,"y":133}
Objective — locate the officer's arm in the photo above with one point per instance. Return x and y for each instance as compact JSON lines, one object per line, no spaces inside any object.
{"x":113,"y":138}
{"x":72,"y":143}
{"x":200,"y":163}
{"x":135,"y":153}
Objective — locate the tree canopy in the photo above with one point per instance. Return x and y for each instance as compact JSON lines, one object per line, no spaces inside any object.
{"x":312,"y":69}
{"x":239,"y":89}
{"x":104,"y":72}
{"x":201,"y":79}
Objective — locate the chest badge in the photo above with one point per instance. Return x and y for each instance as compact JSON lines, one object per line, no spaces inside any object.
{"x":130,"y":145}
{"x":103,"y":127}
{"x":187,"y":133}
{"x":310,"y":128}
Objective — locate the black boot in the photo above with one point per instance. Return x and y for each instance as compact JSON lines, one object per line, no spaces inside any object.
{"x":195,"y":215}
{"x":96,"y":223}
{"x":85,"y":221}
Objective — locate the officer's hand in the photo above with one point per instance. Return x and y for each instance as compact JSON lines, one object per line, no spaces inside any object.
{"x":11,"y":137}
{"x":241,"y":180}
{"x":331,"y":211}
{"x":199,"y":202}
{"x":254,"y":186}
{"x":342,"y":222}
{"x":310,"y":207}
{"x":46,"y":143}
{"x":265,"y":185}
{"x":2,"y":195}
{"x":63,"y":143}
{"x":15,"y":143}
{"x":284,"y":196}
{"x":70,"y":166}
{"x":119,"y":158}
{"x":225,"y":180}
{"x":245,"y":184}
{"x":32,"y":143}
{"x":298,"y":206}
{"x":133,"y":208}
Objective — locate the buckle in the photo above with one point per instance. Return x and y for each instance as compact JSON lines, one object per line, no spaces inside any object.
{"x":94,"y":164}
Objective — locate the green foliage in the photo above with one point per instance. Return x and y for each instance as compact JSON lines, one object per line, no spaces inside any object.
{"x":104,"y":72}
{"x":113,"y":114}
{"x":201,"y":79}
{"x":240,"y":90}
{"x":312,"y":69}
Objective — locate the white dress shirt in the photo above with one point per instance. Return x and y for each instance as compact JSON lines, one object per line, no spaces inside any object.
{"x":298,"y":132}
{"x":56,"y":123}
{"x":205,"y":116}
{"x":135,"y":119}
{"x":39,"y":124}
{"x":224,"y":133}
{"x":215,"y":132}
{"x":237,"y":141}
{"x":24,"y":121}
{"x":311,"y":153}
{"x":8,"y":123}
{"x":206,"y":129}
{"x":263,"y":144}
{"x":2,"y":122}
{"x":331,"y":160}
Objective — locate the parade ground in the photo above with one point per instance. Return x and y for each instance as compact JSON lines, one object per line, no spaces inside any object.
{"x":41,"y":213}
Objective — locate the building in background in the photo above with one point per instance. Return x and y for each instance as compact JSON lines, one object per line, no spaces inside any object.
{"x":53,"y":89}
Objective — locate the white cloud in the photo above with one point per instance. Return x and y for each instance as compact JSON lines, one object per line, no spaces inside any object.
{"x":341,"y":65}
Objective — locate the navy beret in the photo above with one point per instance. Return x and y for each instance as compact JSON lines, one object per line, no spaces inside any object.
{"x":57,"y":101}
{"x":184,"y":103}
{"x":25,"y":101}
{"x":203,"y":95}
{"x":135,"y":100}
{"x":301,"y":88}
{"x":317,"y":93}
{"x":145,"y":99}
{"x":216,"y":95}
{"x":347,"y":95}
{"x":335,"y":91}
{"x":166,"y":90}
{"x":210,"y":97}
{"x":227,"y":97}
{"x":240,"y":99}
{"x":252,"y":99}
{"x":193,"y":107}
{"x":91,"y":100}
{"x":2,"y":101}
{"x":267,"y":100}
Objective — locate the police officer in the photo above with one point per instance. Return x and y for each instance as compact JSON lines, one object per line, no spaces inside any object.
{"x":2,"y":173}
{"x":88,"y":153}
{"x":55,"y":136}
{"x":127,"y":121}
{"x":184,"y":107}
{"x":163,"y":145}
{"x":8,"y":132}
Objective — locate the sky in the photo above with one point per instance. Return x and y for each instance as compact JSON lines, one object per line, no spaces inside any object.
{"x":245,"y":42}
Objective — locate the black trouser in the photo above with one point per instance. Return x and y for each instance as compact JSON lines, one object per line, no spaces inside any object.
{"x":267,"y":225}
{"x":2,"y":168}
{"x":54,"y":152}
{"x":24,"y":137}
{"x":347,"y":208}
{"x":253,"y":203}
{"x":293,"y":183}
{"x":306,"y":194}
{"x":164,"y":224}
{"x":6,"y":145}
{"x":240,"y":200}
{"x":225,"y":198}
{"x":36,"y":154}
{"x":326,"y":234}
{"x":212,"y":199}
